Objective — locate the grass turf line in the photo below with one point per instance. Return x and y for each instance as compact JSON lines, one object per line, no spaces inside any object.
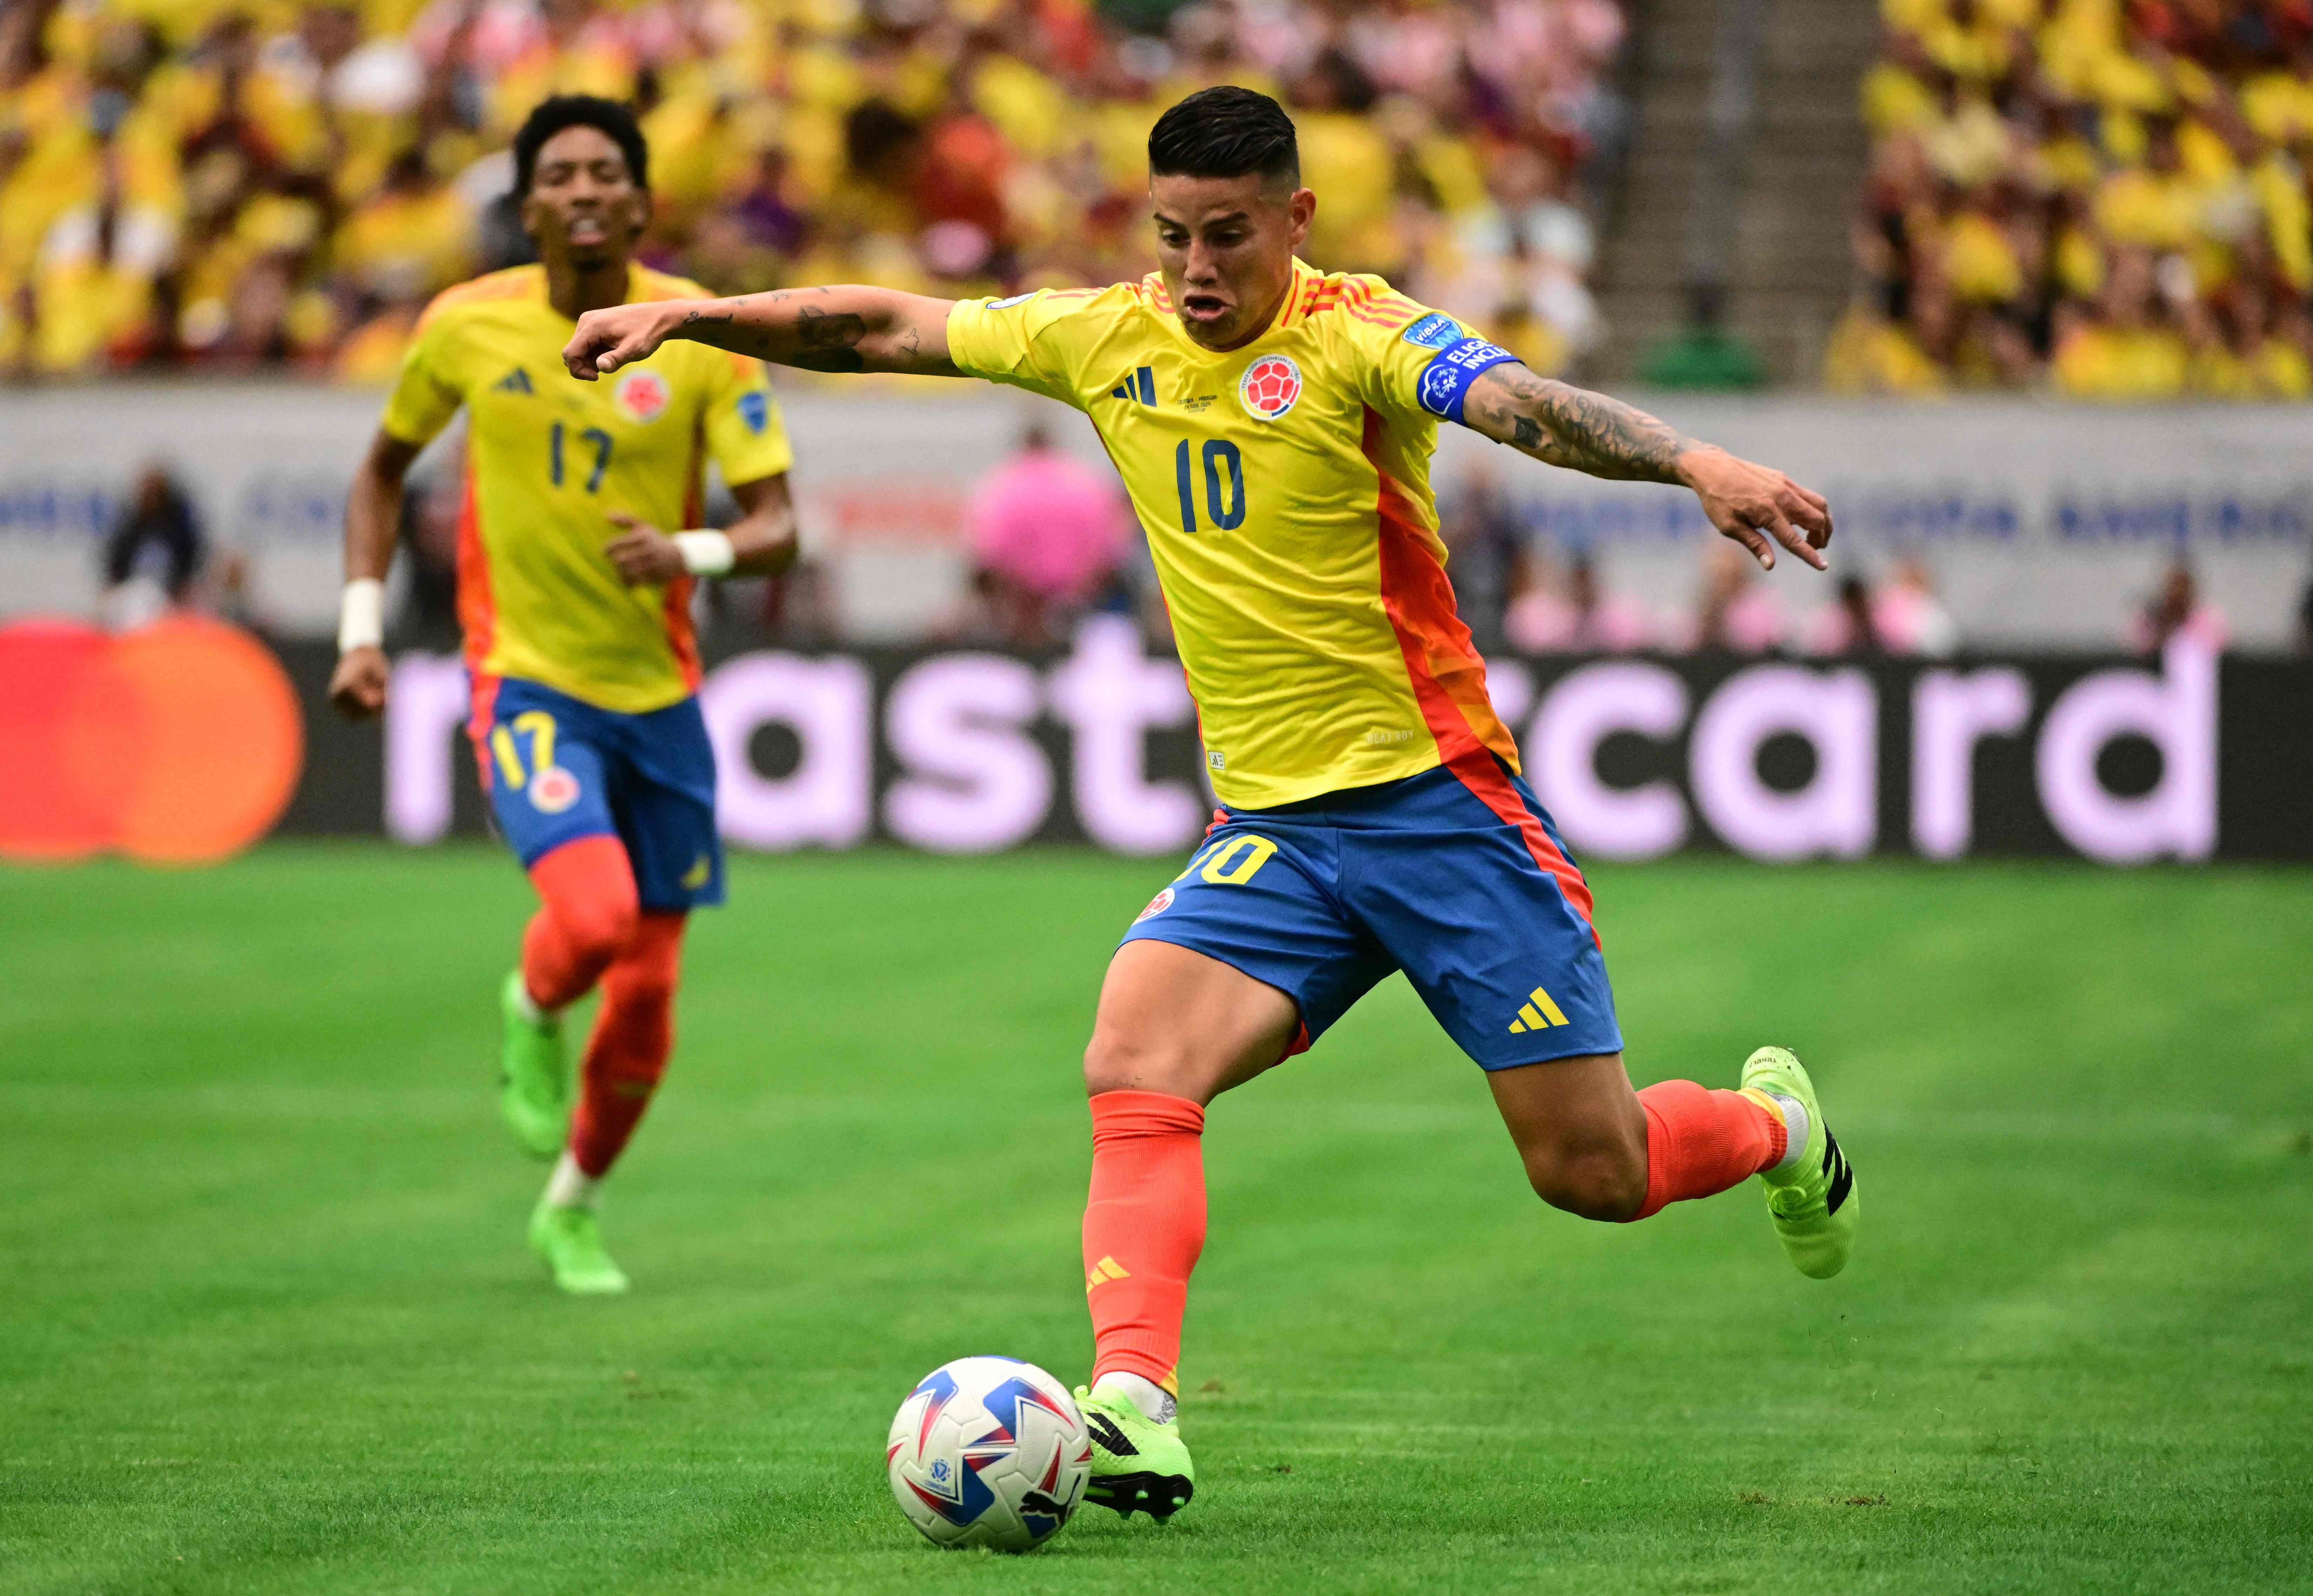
{"x":269,"y":1325}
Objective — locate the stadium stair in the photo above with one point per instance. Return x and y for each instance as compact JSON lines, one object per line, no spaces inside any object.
{"x":1785,"y":257}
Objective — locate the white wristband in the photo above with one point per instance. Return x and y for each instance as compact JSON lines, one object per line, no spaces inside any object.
{"x":706,"y":553}
{"x":361,"y":615}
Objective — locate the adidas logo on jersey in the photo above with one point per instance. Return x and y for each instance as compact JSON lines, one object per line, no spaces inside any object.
{"x":1537,"y":1013}
{"x":1140,"y":385}
{"x":516,"y":380}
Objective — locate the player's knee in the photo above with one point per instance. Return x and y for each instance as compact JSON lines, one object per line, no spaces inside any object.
{"x":1602,"y":1179}
{"x":1118,"y":1059}
{"x":600,"y":923}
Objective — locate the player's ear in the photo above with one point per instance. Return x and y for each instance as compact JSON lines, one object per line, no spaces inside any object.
{"x":1301,"y":210}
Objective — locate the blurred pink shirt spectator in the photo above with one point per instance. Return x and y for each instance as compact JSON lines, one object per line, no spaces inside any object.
{"x":1050,"y":524}
{"x":1584,"y":619}
{"x":1733,"y":612}
{"x":1909,"y":616}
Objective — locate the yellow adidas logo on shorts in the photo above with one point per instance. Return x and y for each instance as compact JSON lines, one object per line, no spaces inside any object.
{"x":1537,"y":1013}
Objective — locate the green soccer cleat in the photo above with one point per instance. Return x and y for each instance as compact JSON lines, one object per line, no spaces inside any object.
{"x":1137,"y":1463}
{"x":1813,"y":1202}
{"x":571,"y":1243}
{"x":533,"y":1076}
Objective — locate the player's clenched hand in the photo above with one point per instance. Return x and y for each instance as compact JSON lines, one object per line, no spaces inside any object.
{"x":645,"y":556}
{"x":1758,"y":507}
{"x":607,"y":340}
{"x":357,"y":687}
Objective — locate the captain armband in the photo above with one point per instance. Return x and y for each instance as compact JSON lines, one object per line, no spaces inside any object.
{"x":1445,"y":380}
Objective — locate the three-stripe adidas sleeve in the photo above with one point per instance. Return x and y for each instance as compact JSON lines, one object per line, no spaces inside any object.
{"x":426,"y":393}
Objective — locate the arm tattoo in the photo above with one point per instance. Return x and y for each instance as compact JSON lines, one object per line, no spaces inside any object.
{"x":829,"y":342}
{"x":1586,"y":431}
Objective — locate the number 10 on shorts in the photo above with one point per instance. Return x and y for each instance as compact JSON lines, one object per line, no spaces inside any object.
{"x":1231,"y":861}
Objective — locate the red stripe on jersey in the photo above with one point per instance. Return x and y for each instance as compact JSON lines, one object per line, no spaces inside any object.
{"x":478,"y":615}
{"x":477,"y":728}
{"x":1448,"y":677}
{"x":681,"y":632}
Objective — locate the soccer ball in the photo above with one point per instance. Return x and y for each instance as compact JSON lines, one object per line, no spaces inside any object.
{"x":988,"y":1452}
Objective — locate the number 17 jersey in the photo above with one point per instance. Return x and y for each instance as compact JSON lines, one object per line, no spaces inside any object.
{"x":1284,"y":486}
{"x":550,"y":458}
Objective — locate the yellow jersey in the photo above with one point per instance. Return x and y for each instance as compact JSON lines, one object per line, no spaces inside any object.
{"x":549,"y":458}
{"x":1285,"y":490}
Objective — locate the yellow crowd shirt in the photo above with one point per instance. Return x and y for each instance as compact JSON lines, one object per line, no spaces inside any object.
{"x":550,"y":458}
{"x":1285,"y":489}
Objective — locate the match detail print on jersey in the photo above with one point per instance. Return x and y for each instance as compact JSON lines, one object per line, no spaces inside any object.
{"x":1320,"y":642}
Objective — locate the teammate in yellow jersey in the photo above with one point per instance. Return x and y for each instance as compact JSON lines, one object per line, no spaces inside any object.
{"x":576,"y":613}
{"x":1273,"y":425}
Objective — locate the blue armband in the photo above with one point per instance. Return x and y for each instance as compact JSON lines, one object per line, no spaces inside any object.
{"x":1446,"y":380}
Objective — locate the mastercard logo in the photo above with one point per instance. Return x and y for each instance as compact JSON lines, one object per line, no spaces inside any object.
{"x":176,"y":744}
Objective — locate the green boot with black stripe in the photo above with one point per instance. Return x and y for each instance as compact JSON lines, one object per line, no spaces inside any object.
{"x":1811,"y":1194}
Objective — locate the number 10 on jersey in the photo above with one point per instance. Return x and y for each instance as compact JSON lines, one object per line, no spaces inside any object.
{"x":1224,"y":473}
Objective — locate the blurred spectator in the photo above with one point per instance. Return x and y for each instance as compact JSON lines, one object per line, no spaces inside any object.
{"x":2178,"y":612}
{"x":2108,"y":198}
{"x":1908,"y":615}
{"x":288,"y":183}
{"x":1848,"y":626}
{"x":1732,"y":612}
{"x":433,"y":502}
{"x":1582,"y":619}
{"x":1704,"y":355}
{"x":1050,"y":535}
{"x":1486,"y":556}
{"x":154,"y":553}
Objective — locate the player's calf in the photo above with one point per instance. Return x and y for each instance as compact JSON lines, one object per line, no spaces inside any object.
{"x":1580,"y":1132}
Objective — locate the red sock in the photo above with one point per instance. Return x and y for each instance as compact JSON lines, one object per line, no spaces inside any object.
{"x":1701,"y":1142}
{"x":585,"y":918}
{"x":633,"y":1035}
{"x":1144,"y":1226}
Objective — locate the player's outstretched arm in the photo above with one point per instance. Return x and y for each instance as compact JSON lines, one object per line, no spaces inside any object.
{"x":819,"y":329}
{"x":1564,"y":425}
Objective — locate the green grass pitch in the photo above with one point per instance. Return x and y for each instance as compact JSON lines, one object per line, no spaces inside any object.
{"x":266,"y":1324}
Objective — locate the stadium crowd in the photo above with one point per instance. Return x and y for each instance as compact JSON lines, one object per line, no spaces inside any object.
{"x":233,"y":183}
{"x":2105,"y":198}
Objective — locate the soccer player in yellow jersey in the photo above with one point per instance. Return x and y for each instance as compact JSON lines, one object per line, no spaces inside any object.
{"x":1273,"y":425}
{"x":576,"y":613}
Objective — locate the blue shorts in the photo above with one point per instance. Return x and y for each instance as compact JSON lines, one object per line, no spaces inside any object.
{"x":1454,"y":876}
{"x":558,"y":769}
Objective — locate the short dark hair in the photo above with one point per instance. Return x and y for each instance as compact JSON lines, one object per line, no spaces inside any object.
{"x":1226,"y":132}
{"x":556,"y":112}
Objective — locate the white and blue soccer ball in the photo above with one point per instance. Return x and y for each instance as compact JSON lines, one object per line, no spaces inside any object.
{"x":988,"y":1452}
